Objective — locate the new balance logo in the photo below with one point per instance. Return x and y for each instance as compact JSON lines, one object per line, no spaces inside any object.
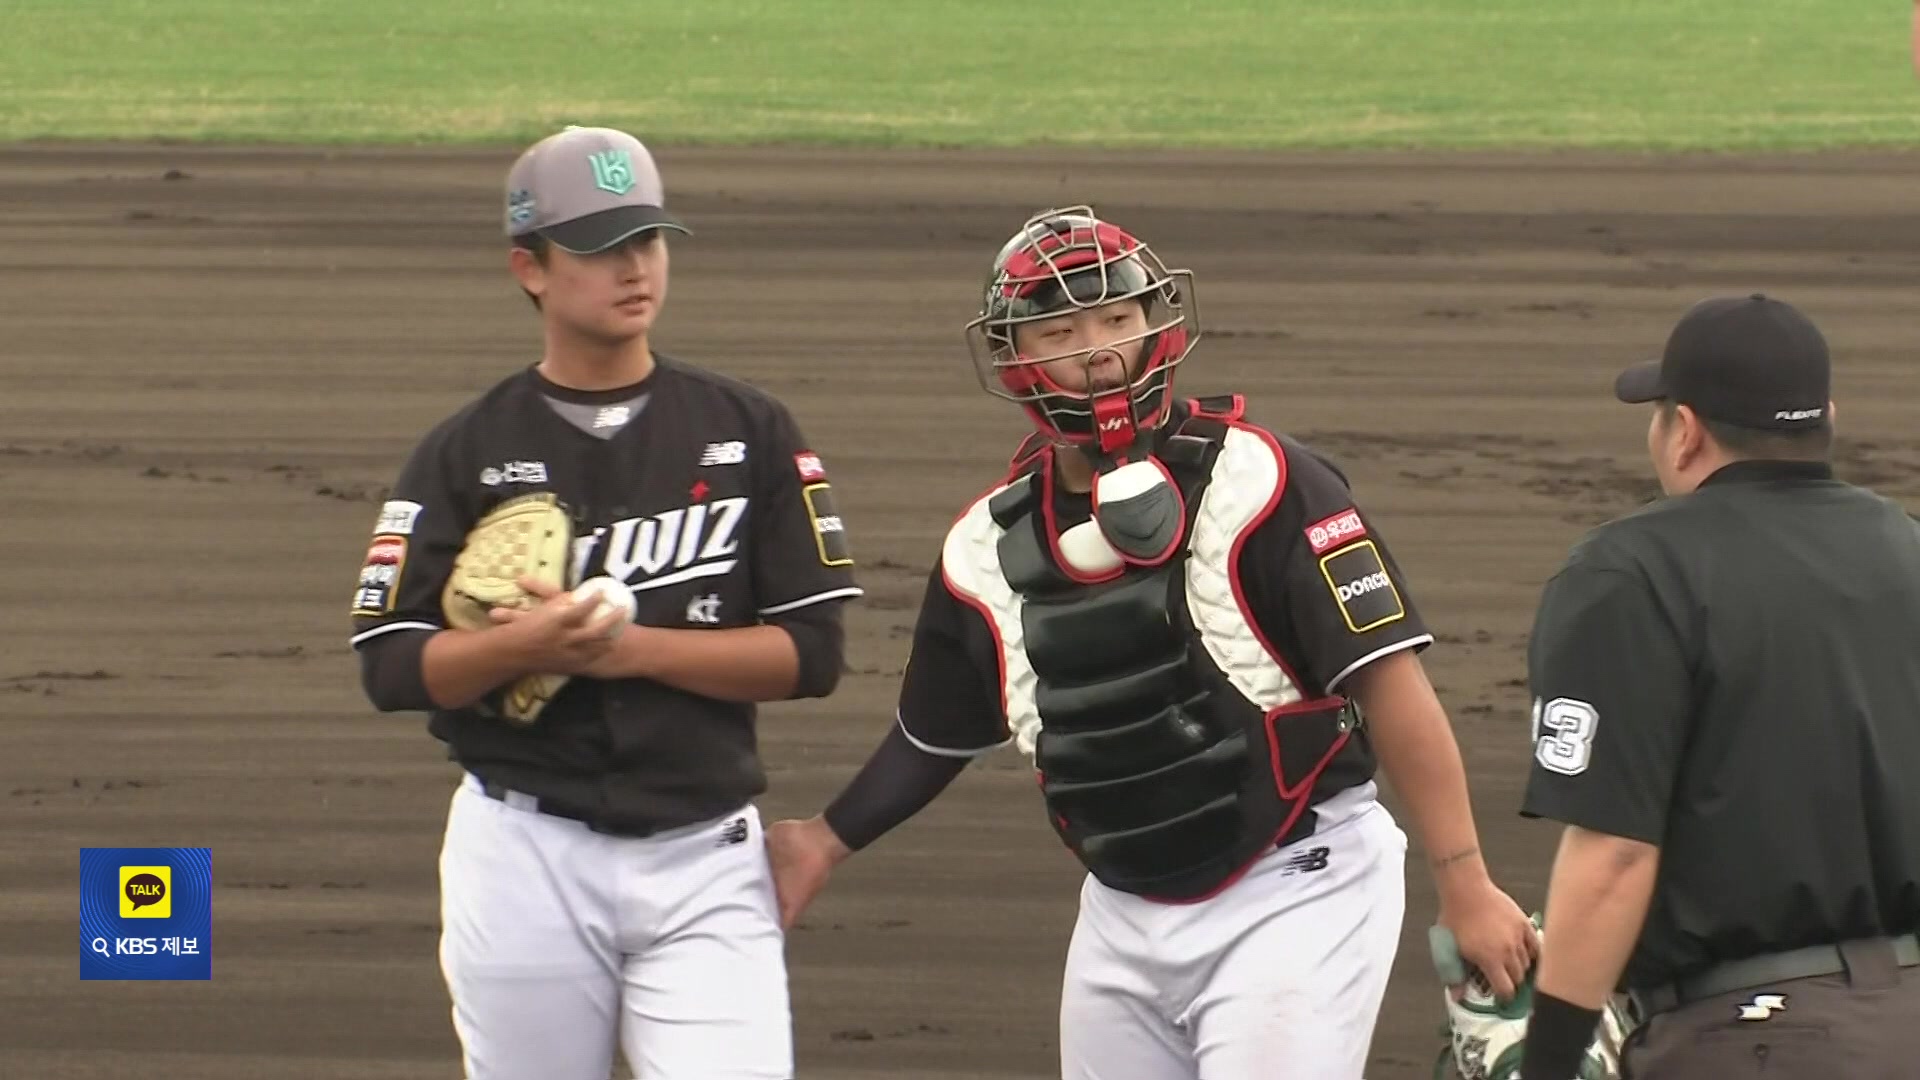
{"x":1307,"y":861}
{"x":735,"y":832}
{"x":724,"y":453}
{"x":1763,"y":1006}
{"x":612,"y":416}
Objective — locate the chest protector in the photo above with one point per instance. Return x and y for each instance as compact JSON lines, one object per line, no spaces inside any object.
{"x":1172,"y":744}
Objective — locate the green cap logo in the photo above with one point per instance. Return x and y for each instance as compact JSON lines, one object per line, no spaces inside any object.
{"x":612,"y":171}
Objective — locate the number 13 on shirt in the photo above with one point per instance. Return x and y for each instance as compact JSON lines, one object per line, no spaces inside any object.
{"x":1563,"y":734}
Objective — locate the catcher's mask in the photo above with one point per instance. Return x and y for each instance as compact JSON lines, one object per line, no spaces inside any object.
{"x":1066,"y":260}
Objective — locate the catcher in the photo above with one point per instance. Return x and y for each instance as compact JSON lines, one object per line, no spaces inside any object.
{"x":1200,"y":641}
{"x":587,"y":577}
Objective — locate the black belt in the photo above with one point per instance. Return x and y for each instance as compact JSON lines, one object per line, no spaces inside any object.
{"x":1765,"y":969}
{"x":561,"y":809}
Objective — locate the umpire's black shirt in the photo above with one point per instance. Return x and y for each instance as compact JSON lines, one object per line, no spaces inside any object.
{"x":1734,"y":676}
{"x":696,"y":490}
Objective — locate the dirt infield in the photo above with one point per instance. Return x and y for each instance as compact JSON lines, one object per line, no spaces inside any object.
{"x":214,"y":361}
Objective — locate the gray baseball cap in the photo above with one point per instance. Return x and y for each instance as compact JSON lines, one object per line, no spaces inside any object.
{"x":586,"y":189}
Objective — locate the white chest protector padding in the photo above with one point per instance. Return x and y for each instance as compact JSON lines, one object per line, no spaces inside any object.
{"x":1245,"y":477}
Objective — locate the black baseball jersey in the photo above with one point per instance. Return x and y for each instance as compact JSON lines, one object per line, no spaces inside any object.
{"x":1322,"y":588}
{"x":699,"y":492}
{"x":1734,"y":676}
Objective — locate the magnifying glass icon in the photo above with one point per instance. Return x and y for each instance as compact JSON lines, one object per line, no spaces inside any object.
{"x":100,"y":946}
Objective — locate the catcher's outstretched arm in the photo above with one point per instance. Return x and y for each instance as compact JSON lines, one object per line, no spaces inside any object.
{"x":944,"y":696}
{"x":897,"y":782}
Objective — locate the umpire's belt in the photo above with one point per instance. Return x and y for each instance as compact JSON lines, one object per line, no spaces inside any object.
{"x":520,"y":800}
{"x":1766,"y":969}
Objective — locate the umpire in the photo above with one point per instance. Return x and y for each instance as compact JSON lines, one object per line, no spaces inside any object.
{"x":1726,"y":717}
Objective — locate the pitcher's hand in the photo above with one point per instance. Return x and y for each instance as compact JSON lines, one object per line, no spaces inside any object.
{"x":558,"y":635}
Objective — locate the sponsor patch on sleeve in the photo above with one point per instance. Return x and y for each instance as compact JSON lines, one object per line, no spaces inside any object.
{"x":397,"y":517}
{"x":1324,"y":536}
{"x":380,"y":576}
{"x":1361,"y":586}
{"x":811,"y":468}
{"x":829,"y":534}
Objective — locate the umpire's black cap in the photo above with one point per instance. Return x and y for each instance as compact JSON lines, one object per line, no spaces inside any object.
{"x":1751,"y":361}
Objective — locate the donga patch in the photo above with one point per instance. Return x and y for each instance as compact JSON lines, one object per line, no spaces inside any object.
{"x":1362,"y":587}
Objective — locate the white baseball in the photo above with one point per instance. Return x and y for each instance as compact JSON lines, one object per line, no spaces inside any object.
{"x":608,"y":592}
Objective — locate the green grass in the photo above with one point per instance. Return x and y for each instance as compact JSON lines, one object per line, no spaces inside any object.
{"x":1636,"y":74}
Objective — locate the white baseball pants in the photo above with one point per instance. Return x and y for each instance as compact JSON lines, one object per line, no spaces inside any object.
{"x":1278,"y":977}
{"x":560,"y":944}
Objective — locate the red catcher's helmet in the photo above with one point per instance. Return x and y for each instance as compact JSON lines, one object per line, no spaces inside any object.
{"x":1067,"y":259}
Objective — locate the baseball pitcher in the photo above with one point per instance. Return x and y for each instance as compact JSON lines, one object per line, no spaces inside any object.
{"x":587,"y":577}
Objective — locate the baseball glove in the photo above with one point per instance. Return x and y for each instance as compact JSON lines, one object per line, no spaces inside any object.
{"x":1486,"y":1037}
{"x":527,"y":536}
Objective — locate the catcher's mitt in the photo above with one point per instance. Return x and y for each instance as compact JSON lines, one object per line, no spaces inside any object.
{"x":527,"y":536}
{"x":1486,"y":1037}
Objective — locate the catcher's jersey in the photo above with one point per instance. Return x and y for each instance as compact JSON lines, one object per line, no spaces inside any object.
{"x":698,"y":491}
{"x":1315,"y":578}
{"x":1733,"y":676}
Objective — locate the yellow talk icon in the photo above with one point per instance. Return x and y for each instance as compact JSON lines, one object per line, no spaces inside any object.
{"x":146,"y":892}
